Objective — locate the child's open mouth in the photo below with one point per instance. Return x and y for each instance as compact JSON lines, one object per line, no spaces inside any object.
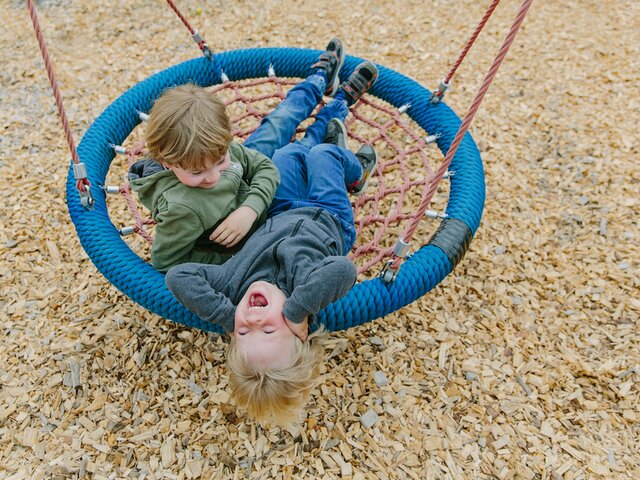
{"x":257,"y":300}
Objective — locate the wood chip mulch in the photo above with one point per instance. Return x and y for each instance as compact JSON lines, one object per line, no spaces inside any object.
{"x":523,"y":363}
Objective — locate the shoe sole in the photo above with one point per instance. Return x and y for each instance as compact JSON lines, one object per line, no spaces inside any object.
{"x":366,"y":182}
{"x":367,"y":83}
{"x":336,"y":80}
{"x":343,"y":129}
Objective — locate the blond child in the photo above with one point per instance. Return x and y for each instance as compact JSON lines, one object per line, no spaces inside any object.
{"x":290,"y":268}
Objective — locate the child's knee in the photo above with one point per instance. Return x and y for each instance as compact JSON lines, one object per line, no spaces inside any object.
{"x":284,"y":154}
{"x":178,"y":278}
{"x":325,"y":152}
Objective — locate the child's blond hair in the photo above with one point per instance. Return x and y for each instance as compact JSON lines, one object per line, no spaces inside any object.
{"x":277,"y":396}
{"x":188,"y":127}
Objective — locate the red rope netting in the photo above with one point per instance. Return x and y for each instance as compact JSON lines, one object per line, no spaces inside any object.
{"x":403,"y":174}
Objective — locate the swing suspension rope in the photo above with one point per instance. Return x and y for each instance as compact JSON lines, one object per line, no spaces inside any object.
{"x":445,"y":83}
{"x":202,"y":45}
{"x":468,"y":118}
{"x":82,"y":182}
{"x":429,"y":184}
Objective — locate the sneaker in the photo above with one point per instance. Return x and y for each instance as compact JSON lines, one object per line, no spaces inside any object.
{"x":336,"y":133}
{"x":368,"y":158}
{"x":361,"y":80}
{"x":331,"y":61}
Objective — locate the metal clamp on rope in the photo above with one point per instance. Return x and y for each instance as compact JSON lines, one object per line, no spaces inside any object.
{"x":119,"y":149}
{"x":429,"y":139}
{"x":80,"y":173}
{"x":435,"y":215}
{"x":202,"y":44}
{"x":124,"y":231}
{"x":142,"y":116}
{"x":436,"y":96}
{"x":404,"y":108}
{"x":110,"y":189}
{"x":388,"y":274}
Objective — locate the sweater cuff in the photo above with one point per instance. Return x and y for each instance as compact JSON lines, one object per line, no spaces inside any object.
{"x":294,"y":312}
{"x":255,"y":203}
{"x":228,"y":325}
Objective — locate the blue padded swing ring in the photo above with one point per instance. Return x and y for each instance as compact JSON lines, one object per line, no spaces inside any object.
{"x":366,"y":301}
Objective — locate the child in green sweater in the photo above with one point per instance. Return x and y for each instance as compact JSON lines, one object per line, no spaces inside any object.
{"x":205,"y":191}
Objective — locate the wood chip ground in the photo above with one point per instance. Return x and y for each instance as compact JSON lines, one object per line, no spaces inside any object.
{"x":523,"y":363}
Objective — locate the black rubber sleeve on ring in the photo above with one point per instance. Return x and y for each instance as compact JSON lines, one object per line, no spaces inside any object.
{"x":453,"y":237}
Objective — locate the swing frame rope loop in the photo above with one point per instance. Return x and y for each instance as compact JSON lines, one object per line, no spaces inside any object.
{"x":86,"y":198}
{"x":389,"y":272}
{"x":202,"y":44}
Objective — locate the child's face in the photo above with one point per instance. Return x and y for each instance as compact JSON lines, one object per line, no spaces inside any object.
{"x":261,"y":331}
{"x":206,"y":178}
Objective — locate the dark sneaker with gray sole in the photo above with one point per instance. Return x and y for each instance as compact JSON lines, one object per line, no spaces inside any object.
{"x":336,"y":133}
{"x":368,"y":158}
{"x":361,"y":80}
{"x":331,"y":61}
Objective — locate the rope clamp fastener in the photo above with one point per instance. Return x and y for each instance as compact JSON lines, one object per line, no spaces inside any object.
{"x":111,"y":189}
{"x":388,"y":273}
{"x":144,"y":117}
{"x":429,"y":139}
{"x":435,"y":215}
{"x":437,"y":95}
{"x":202,"y":44}
{"x":119,"y":149}
{"x":404,"y":108}
{"x":80,"y":173}
{"x":124,"y":231}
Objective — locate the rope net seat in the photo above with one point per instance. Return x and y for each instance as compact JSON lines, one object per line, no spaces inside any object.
{"x":404,"y":166}
{"x":403,"y":173}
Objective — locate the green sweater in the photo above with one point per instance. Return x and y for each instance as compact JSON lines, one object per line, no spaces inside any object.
{"x":186,"y":216}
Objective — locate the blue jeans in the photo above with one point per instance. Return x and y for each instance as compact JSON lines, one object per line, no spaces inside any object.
{"x":316,"y":175}
{"x":278,"y":128}
{"x":312,"y":174}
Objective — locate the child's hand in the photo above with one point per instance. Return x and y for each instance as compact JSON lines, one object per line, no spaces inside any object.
{"x":234,"y":227}
{"x":300,"y":330}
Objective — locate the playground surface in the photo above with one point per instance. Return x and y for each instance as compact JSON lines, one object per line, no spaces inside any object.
{"x":523,"y":363}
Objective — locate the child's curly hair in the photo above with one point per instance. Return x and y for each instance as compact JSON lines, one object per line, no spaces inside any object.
{"x":277,"y":396}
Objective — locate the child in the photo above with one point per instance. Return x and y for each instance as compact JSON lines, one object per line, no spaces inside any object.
{"x":289,"y":269}
{"x":205,"y":191}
